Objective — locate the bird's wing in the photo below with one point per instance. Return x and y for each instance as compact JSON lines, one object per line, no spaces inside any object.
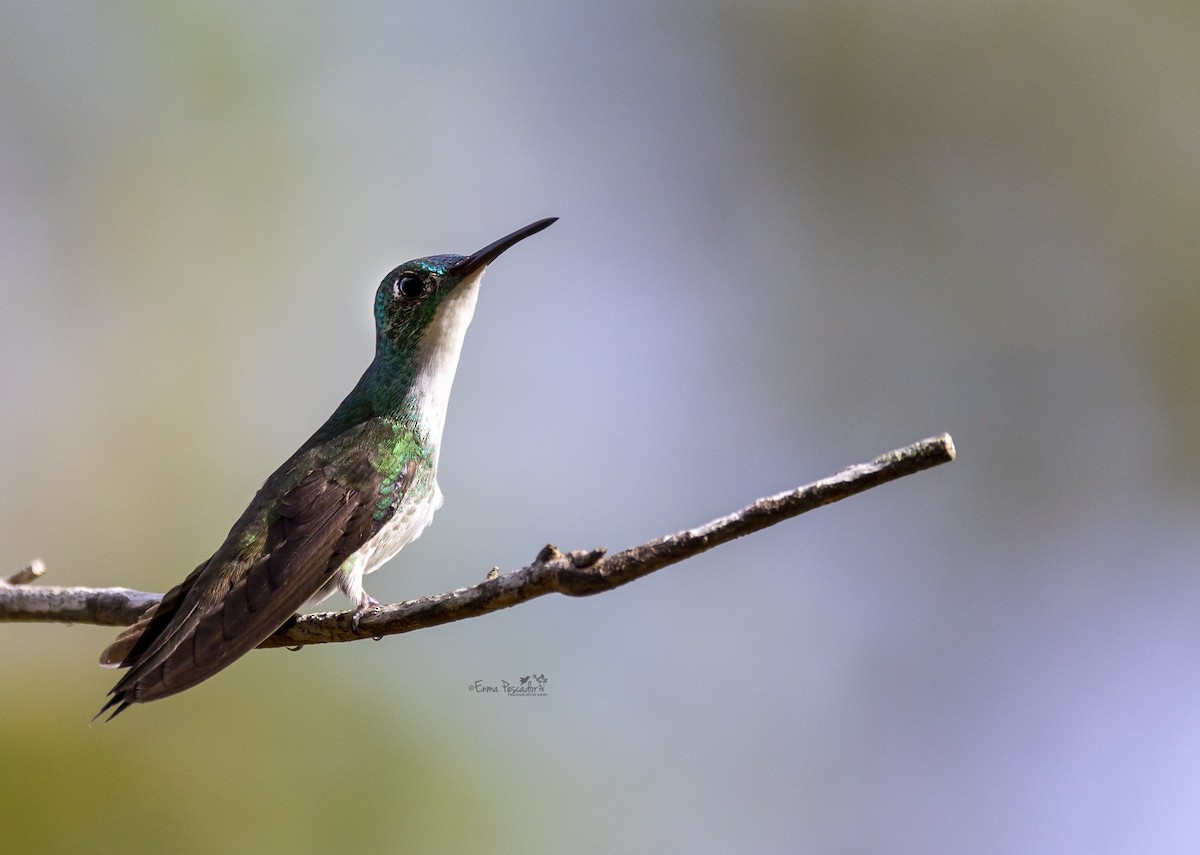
{"x":133,"y":640}
{"x":222,"y":611}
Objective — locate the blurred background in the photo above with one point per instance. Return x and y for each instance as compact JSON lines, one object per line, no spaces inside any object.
{"x":794,"y":235}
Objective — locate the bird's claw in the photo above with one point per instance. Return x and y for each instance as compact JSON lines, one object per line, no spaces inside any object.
{"x":367,"y":602}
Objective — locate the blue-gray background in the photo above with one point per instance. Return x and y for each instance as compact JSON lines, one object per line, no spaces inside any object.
{"x":793,"y":235}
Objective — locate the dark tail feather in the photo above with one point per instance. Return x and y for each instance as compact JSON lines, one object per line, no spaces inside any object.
{"x":118,"y":701}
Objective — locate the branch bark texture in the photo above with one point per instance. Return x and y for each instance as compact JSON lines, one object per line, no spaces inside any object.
{"x":576,"y":574}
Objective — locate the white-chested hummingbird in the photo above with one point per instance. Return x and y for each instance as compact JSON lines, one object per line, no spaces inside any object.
{"x":361,"y":488}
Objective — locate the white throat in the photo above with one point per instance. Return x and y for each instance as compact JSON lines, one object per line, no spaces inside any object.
{"x":437,"y":358}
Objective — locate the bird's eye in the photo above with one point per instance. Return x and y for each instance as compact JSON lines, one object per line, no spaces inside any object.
{"x":409,"y":286}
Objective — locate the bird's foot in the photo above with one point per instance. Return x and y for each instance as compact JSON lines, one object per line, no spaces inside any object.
{"x":365,"y":601}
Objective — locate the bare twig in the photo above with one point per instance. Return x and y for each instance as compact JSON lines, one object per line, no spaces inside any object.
{"x":575,"y":574}
{"x":54,"y":604}
{"x":29,"y":573}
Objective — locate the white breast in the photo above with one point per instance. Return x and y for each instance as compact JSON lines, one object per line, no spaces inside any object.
{"x":437,"y":358}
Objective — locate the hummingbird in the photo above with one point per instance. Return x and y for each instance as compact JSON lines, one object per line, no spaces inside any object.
{"x":360,"y":489}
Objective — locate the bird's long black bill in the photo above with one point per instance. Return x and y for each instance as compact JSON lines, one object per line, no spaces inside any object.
{"x":488,"y":254}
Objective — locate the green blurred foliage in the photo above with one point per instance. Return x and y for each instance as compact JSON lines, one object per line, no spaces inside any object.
{"x":319,"y":773}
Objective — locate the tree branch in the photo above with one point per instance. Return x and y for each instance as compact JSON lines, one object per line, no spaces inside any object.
{"x":576,"y":574}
